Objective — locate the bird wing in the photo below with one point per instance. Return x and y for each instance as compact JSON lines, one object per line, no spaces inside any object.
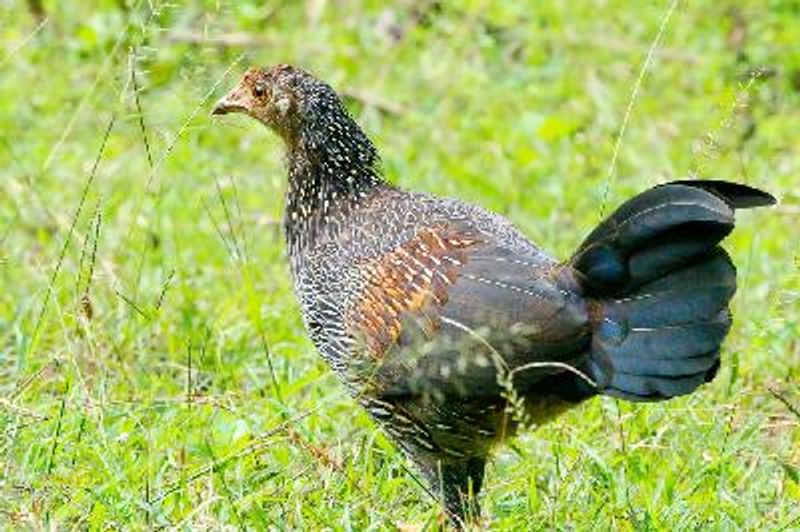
{"x":453,"y":311}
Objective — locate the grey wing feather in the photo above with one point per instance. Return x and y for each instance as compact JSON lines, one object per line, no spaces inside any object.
{"x":505,"y":312}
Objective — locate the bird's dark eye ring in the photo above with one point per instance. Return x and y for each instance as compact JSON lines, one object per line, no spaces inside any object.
{"x":260,"y":89}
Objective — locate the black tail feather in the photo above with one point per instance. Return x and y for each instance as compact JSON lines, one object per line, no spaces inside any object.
{"x":660,"y":286}
{"x":736,"y":195}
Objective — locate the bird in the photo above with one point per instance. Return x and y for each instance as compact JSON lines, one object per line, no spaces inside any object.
{"x":450,"y":327}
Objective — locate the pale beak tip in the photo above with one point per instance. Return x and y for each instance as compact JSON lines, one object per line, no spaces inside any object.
{"x":220,"y":108}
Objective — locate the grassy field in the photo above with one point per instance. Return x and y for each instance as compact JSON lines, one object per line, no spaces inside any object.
{"x":154,"y":371}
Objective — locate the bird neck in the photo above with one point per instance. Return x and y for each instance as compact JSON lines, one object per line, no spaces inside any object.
{"x":333,"y":167}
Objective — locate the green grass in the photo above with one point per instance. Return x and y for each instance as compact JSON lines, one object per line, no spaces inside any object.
{"x":154,"y":371}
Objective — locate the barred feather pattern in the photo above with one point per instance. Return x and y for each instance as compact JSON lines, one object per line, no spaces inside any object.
{"x":330,"y":279}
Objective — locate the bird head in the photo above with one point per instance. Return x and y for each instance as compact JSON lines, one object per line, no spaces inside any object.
{"x":281,"y":97}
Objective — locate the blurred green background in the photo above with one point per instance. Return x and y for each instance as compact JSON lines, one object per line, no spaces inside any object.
{"x":153,"y":368}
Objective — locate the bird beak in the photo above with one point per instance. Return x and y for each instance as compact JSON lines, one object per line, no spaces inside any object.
{"x":236,"y":101}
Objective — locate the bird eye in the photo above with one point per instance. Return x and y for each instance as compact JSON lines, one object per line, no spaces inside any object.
{"x":260,"y":89}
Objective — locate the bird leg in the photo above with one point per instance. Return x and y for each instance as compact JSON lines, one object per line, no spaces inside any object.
{"x":457,"y":483}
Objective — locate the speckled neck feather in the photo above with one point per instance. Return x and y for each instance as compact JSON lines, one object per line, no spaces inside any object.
{"x":332,"y":167}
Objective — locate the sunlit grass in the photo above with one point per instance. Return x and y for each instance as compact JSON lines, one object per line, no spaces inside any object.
{"x":159,"y":375}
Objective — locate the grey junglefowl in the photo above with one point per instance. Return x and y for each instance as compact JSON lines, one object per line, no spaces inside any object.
{"x":437,"y":314}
